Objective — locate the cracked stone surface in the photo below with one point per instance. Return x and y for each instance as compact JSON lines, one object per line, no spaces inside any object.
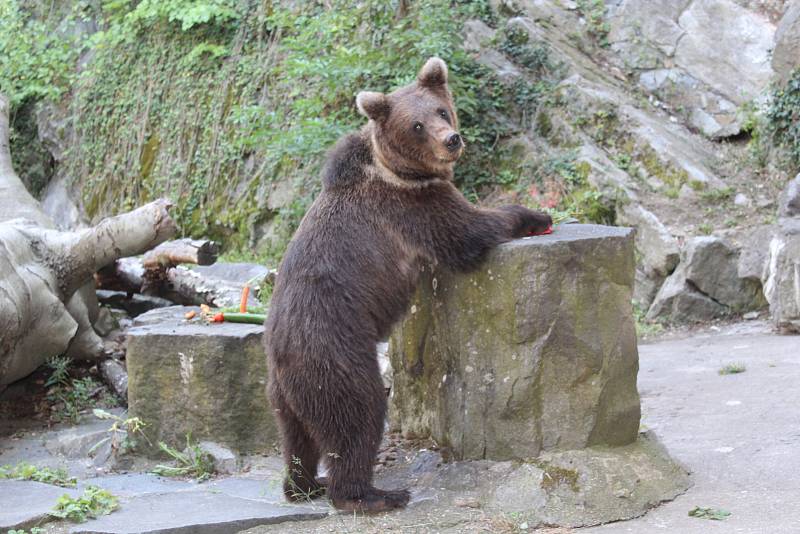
{"x":195,"y":512}
{"x":23,"y":504}
{"x":535,"y":351}
{"x":737,"y":434}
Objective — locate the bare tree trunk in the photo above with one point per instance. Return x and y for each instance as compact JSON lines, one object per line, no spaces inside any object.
{"x":46,"y":304}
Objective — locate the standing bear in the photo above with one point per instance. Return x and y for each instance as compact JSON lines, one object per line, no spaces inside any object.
{"x":387,"y":206}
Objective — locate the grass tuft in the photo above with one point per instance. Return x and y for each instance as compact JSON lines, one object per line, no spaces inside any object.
{"x":732,"y":368}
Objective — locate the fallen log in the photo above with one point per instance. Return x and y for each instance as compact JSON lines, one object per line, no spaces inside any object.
{"x":47,"y":305}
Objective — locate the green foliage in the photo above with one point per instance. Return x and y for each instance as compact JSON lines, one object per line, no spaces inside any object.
{"x":644,"y":327}
{"x":250,"y":93}
{"x":72,"y":399}
{"x":705,"y":228}
{"x":717,"y":196}
{"x":35,"y":61}
{"x":26,"y":471}
{"x":33,"y":530}
{"x":59,"y":375}
{"x":715,"y":514}
{"x":732,"y":368}
{"x":70,"y":396}
{"x":568,"y":193}
{"x":783,"y":117}
{"x":596,"y":26}
{"x":194,"y":462}
{"x":124,"y":432}
{"x":533,"y":56}
{"x":92,"y":504}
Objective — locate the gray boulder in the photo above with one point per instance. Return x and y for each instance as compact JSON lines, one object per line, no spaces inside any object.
{"x":658,"y":249}
{"x":711,"y":266}
{"x":786,"y":55}
{"x":726,"y":47}
{"x":533,"y":352}
{"x":782,"y":279}
{"x":790,"y":199}
{"x":209,"y":379}
{"x":706,"y":284}
{"x":679,"y":302}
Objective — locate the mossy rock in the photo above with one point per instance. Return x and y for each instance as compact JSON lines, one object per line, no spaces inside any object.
{"x":535,"y":351}
{"x":205,"y":379}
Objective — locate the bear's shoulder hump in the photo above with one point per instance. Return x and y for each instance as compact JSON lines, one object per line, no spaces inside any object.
{"x":346,"y":162}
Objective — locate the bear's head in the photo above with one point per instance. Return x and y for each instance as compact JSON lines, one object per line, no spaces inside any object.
{"x":414,"y":129}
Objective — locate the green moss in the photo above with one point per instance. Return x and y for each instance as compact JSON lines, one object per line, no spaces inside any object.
{"x":783,"y":118}
{"x":555,"y":476}
{"x":671,"y":176}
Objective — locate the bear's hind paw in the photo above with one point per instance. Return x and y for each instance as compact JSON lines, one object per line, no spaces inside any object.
{"x":374,"y":502}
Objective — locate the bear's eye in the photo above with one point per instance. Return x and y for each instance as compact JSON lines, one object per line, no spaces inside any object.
{"x":443,"y":114}
{"x":417,"y":126}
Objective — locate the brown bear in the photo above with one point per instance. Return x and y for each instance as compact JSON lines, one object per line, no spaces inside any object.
{"x":388,"y":204}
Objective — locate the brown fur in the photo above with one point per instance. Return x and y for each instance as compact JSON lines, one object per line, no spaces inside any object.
{"x":388,"y":204}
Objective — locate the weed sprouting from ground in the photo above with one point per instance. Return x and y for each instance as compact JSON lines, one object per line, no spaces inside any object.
{"x":47,"y":475}
{"x":732,"y":369}
{"x":70,"y":396}
{"x":124,"y":431}
{"x":193,"y":462}
{"x":92,"y":504}
{"x":298,"y":493}
{"x":715,"y":514}
{"x":645,"y":328}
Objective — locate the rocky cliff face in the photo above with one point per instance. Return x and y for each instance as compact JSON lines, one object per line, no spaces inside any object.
{"x":631,"y":112}
{"x":659,"y":99}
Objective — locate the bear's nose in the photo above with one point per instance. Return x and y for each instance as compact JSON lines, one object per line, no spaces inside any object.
{"x":453,"y":142}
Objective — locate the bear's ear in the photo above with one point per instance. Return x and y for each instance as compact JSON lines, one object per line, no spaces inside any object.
{"x":372,"y":105}
{"x":433,"y":73}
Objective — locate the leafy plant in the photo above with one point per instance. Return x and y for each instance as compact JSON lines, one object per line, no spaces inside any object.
{"x":193,"y":462}
{"x":124,"y":432}
{"x":47,"y":475}
{"x":33,"y":530}
{"x":732,"y":369}
{"x":59,"y":375}
{"x":70,"y":400}
{"x":644,"y":327}
{"x":705,"y":228}
{"x":35,"y":62}
{"x":596,"y":26}
{"x":783,"y":117}
{"x":715,"y":514}
{"x":715,"y":196}
{"x":92,"y":504}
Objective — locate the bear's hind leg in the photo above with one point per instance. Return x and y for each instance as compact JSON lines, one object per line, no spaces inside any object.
{"x":301,"y":456}
{"x":352,"y":446}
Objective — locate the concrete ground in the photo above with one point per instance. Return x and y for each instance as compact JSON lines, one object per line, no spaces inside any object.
{"x":738,"y":434}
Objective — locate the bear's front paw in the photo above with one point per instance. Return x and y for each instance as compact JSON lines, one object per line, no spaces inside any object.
{"x":529,"y":222}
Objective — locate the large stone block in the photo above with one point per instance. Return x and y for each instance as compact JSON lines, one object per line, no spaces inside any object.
{"x":535,"y":351}
{"x":782,"y":277}
{"x":208,"y":379}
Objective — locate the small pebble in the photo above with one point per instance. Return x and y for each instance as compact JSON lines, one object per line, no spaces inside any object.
{"x":467,"y":502}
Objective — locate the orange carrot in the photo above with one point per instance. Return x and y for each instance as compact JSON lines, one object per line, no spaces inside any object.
{"x":243,"y":303}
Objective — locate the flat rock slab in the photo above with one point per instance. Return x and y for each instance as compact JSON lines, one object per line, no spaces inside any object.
{"x":138,"y":484}
{"x":207,"y":379}
{"x":194,"y":512}
{"x":24,"y":504}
